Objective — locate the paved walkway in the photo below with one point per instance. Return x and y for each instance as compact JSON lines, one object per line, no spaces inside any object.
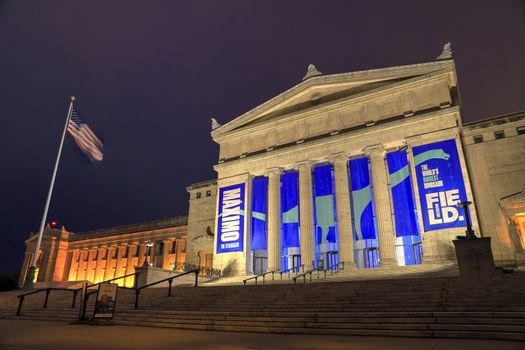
{"x":43,"y":335}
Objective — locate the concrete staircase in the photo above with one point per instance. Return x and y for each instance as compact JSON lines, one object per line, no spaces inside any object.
{"x":492,"y":307}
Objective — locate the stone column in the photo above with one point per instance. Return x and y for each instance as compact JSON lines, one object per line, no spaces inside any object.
{"x":274,"y":219}
{"x":118,"y":265}
{"x":130,"y":268}
{"x":98,"y":266}
{"x":383,"y":208}
{"x":141,"y":255}
{"x":342,"y":200}
{"x":178,"y":250}
{"x":109,"y":256}
{"x":166,"y":263}
{"x":306,"y":214}
{"x":90,"y":271}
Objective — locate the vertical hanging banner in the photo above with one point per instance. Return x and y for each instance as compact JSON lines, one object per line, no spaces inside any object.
{"x":289,"y":210}
{"x":324,"y":219}
{"x":362,"y":210}
{"x":440,"y":184}
{"x":259,"y":213}
{"x":402,"y":198}
{"x":230,"y":226}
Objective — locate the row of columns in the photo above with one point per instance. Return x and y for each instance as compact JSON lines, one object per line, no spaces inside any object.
{"x":382,"y":202}
{"x":111,"y":268}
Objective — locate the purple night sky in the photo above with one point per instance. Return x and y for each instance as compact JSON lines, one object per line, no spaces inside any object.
{"x":149,"y":75}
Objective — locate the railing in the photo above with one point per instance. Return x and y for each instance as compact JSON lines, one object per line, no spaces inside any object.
{"x":289,"y":271}
{"x":88,"y":294}
{"x":319,"y":271}
{"x":261,"y":275}
{"x":203,"y":270}
{"x":335,"y":267}
{"x":48,"y":291}
{"x":169,"y":280}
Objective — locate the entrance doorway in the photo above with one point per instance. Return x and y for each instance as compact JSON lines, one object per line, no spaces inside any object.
{"x":260,"y":261}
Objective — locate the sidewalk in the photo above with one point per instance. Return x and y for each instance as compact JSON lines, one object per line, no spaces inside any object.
{"x":25,"y":334}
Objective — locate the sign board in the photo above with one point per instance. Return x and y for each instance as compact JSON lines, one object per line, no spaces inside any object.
{"x":440,"y":184}
{"x":230,"y":223}
{"x":106,"y":299}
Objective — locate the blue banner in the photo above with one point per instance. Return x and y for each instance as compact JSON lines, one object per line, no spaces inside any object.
{"x":289,"y":210}
{"x":259,"y":205}
{"x":402,"y":198}
{"x":324,"y":208}
{"x":362,"y":209}
{"x":230,"y":226}
{"x":440,"y":184}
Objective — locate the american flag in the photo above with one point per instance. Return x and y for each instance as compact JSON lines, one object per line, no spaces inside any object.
{"x":84,"y":137}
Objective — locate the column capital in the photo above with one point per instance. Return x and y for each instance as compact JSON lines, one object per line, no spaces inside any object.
{"x":374,"y":149}
{"x":338,"y":157}
{"x":304,"y":164}
{"x":273,"y":171}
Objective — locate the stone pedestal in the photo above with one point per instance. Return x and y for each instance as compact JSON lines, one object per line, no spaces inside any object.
{"x":474,"y":256}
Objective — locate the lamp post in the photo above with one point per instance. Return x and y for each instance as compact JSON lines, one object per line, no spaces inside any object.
{"x":148,"y":249}
{"x":470,"y":231}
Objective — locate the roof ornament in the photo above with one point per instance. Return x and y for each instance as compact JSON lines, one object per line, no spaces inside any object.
{"x":214,"y":124}
{"x":446,"y":53}
{"x":311,"y":72}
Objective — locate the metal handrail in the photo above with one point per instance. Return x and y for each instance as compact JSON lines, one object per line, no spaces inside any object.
{"x":290,"y":270}
{"x":261,"y":275}
{"x":336,"y":265}
{"x":48,"y":291}
{"x":310,"y":272}
{"x":170,"y":281}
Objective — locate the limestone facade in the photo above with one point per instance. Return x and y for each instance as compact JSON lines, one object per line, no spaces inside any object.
{"x":332,"y":119}
{"x":104,"y":254}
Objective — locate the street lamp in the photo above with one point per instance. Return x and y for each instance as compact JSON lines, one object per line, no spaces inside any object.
{"x":470,"y":231}
{"x":148,"y":249}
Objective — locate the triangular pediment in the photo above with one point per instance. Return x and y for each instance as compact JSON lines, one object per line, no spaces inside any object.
{"x":323,"y":89}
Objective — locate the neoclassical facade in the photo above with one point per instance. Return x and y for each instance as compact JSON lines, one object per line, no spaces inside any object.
{"x":104,"y":254}
{"x":365,"y":168}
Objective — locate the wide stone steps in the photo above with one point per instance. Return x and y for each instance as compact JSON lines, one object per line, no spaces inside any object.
{"x":492,"y":308}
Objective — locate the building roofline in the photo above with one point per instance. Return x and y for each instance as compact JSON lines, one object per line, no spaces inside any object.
{"x":201,"y":184}
{"x":131,"y":228}
{"x":501,"y":116}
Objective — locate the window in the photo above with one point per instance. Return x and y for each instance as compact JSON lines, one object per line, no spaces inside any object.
{"x":208,"y":193}
{"x":174,"y":247}
{"x":198,"y":195}
{"x":160,"y":249}
{"x":478,"y":138}
{"x":499,"y":134}
{"x":520,"y":130}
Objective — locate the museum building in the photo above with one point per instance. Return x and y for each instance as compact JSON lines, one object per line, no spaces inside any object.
{"x":365,"y":168}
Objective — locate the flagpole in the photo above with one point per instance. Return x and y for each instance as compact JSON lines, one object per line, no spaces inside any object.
{"x":28,"y":283}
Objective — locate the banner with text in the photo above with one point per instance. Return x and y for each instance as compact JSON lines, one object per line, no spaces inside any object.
{"x":230,"y":226}
{"x":440,"y":184}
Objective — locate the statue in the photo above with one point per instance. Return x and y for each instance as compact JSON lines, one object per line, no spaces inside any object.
{"x":446,"y":53}
{"x":311,"y":72}
{"x":214,"y":124}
